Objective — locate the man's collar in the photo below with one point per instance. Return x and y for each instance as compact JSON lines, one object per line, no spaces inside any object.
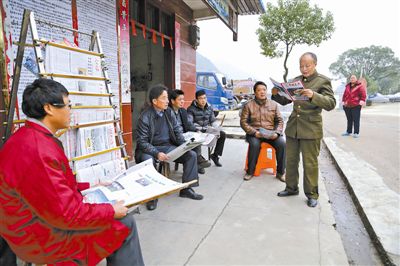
{"x":40,"y":123}
{"x":313,"y":76}
{"x":159,"y":113}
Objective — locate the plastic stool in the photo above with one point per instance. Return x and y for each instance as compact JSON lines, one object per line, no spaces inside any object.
{"x":266,"y":159}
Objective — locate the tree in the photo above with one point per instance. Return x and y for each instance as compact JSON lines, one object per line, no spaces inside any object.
{"x":376,"y":63}
{"x":290,"y":23}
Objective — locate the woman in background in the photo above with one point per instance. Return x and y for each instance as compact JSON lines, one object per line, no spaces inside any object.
{"x":353,"y":98}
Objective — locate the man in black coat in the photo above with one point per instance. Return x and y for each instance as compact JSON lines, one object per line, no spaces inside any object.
{"x":176,"y":102}
{"x":202,"y":115}
{"x":157,"y":134}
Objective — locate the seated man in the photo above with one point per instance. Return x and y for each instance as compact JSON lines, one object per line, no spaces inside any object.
{"x":202,"y":115}
{"x":43,"y":217}
{"x":262,"y":122}
{"x":176,"y":101}
{"x":157,"y":134}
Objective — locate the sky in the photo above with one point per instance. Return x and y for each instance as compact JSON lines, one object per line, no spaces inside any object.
{"x":358,"y":24}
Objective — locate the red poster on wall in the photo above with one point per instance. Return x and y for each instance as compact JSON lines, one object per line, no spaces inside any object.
{"x":177,"y":56}
{"x":124,"y":59}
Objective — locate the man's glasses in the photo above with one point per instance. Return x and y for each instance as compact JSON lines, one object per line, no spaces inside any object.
{"x":62,"y":105}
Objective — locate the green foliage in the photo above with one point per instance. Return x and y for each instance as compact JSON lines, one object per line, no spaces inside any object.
{"x":377,"y":63}
{"x":290,"y":23}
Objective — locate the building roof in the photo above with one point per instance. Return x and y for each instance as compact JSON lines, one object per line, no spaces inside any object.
{"x":250,"y":7}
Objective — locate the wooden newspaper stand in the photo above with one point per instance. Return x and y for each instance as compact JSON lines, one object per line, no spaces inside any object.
{"x":94,"y":50}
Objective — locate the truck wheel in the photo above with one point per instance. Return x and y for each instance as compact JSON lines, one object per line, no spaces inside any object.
{"x":216,"y":113}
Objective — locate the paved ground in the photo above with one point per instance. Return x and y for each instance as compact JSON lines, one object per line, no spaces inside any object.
{"x":370,"y":164}
{"x":239,"y":223}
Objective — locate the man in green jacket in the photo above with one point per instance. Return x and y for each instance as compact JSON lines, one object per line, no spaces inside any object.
{"x":304,"y":129}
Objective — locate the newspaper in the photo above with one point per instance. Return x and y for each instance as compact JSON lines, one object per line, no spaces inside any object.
{"x":290,"y":90}
{"x":180,"y":150}
{"x":266,"y":133}
{"x":138,"y":184}
{"x":204,"y":138}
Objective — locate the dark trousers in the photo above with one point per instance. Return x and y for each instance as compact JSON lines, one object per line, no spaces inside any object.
{"x":130,"y":252}
{"x":353,"y":117}
{"x":309,"y":149}
{"x":7,"y":256}
{"x":188,"y":159}
{"x":279,"y":145}
{"x":219,"y":147}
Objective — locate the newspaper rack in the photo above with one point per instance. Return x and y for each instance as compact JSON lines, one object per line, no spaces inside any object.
{"x":29,"y":23}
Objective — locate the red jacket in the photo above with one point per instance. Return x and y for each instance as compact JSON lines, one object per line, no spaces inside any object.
{"x":353,"y":96}
{"x":42,"y":215}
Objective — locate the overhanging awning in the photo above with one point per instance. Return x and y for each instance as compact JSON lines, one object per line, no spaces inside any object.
{"x":226,"y":10}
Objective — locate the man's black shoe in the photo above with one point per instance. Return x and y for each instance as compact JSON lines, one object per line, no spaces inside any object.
{"x":215,"y":159}
{"x":201,"y":171}
{"x":312,"y":202}
{"x":189,"y":193}
{"x":286,"y":193}
{"x":152,"y":205}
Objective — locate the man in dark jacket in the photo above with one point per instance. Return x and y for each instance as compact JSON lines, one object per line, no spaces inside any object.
{"x":157,"y":134}
{"x":202,"y":115}
{"x":176,"y":102}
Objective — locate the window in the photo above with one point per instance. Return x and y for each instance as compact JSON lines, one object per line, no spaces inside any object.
{"x":207,"y":81}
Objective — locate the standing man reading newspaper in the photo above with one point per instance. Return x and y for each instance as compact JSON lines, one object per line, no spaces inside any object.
{"x":157,"y":134}
{"x":43,"y":217}
{"x":304,"y":129}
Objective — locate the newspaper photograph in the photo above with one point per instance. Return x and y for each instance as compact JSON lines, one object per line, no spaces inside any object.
{"x":136,"y":185}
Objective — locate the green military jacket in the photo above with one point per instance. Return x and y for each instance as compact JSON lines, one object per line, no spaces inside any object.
{"x":305,"y":121}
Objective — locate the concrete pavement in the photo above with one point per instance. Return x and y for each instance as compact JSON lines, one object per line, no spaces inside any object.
{"x":239,"y":223}
{"x":370,"y":166}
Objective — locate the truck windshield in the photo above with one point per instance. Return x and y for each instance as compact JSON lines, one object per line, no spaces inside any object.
{"x":219,"y":77}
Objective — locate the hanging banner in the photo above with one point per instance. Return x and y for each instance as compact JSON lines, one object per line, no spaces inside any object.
{"x":124,"y":58}
{"x":177,"y":56}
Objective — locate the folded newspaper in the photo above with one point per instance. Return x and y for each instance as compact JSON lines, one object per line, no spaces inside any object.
{"x":290,"y":90}
{"x":204,"y":138}
{"x":181,"y":149}
{"x":137,"y":185}
{"x":266,"y":133}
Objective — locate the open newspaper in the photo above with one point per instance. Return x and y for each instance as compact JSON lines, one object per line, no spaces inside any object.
{"x":290,"y":90}
{"x":181,"y":149}
{"x":137,"y":185}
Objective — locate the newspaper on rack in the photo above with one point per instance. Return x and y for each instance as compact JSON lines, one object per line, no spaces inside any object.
{"x":101,"y":172}
{"x":204,"y":138}
{"x":138,"y":184}
{"x":95,"y":139}
{"x":181,"y":149}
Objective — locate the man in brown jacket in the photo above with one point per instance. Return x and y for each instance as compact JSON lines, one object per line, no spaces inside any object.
{"x":262,"y":122}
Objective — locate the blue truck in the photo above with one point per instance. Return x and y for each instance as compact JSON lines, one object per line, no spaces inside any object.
{"x":219,"y":94}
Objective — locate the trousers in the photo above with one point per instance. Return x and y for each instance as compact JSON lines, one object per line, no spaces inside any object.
{"x":279,"y":145}
{"x":353,"y":115}
{"x":309,"y":149}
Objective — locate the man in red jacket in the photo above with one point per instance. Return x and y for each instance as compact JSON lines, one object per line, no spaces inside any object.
{"x":353,"y":98}
{"x":42,"y":214}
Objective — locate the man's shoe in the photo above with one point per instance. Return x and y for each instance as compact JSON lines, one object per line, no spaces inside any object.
{"x":356,"y":135}
{"x":312,"y":202}
{"x":189,"y":193}
{"x":152,"y":205}
{"x":204,"y":164}
{"x":345,"y":134}
{"x":281,"y":177}
{"x":286,"y":193}
{"x":201,"y":171}
{"x":215,"y":159}
{"x":247,"y":177}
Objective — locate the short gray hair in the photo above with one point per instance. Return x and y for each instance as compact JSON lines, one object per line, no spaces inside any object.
{"x":313,"y":56}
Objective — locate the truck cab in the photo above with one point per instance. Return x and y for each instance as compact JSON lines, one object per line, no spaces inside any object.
{"x":219,"y":96}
